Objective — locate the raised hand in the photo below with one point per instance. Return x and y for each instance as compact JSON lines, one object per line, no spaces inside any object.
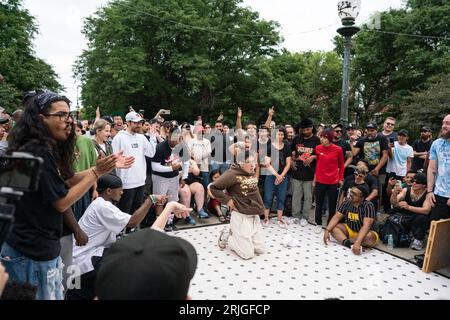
{"x":124,"y":162}
{"x":239,"y":112}
{"x":271,"y":111}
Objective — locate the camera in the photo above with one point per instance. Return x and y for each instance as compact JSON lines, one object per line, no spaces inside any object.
{"x":19,"y":173}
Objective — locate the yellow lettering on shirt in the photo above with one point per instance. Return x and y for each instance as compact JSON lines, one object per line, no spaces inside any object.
{"x":353,"y":216}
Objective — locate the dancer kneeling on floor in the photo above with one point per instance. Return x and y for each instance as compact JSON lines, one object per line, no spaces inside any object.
{"x":359,"y":215}
{"x":245,"y":236}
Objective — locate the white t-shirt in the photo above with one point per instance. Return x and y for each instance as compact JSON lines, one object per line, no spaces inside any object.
{"x":400,"y":155}
{"x":102,"y":222}
{"x":201,"y":150}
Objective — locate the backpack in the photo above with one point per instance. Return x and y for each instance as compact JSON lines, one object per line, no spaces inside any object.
{"x":393,"y":225}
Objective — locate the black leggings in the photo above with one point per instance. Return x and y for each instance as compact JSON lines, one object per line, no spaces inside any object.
{"x":331,"y":190}
{"x":416,"y":223}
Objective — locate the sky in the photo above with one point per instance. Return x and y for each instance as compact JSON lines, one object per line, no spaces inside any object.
{"x":60,"y":22}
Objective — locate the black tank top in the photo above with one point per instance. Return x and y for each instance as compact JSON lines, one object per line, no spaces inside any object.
{"x":418,"y":203}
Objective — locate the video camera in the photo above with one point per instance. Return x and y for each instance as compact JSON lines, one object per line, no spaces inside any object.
{"x":19,"y":173}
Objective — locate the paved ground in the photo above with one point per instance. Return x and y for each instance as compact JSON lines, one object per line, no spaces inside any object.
{"x":309,"y":271}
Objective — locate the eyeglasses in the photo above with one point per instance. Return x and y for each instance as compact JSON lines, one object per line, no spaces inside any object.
{"x":63,"y":116}
{"x":338,"y":131}
{"x":390,"y":124}
{"x":361,"y":175}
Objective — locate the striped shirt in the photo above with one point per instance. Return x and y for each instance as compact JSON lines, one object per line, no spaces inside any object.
{"x":354,"y":216}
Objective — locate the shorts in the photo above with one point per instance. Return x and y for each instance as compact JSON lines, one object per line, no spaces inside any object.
{"x":354,"y":234}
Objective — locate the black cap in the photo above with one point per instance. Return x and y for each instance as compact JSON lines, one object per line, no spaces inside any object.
{"x":349,"y":126}
{"x":337,"y":126}
{"x":364,"y":188}
{"x":371,"y":125}
{"x":108,"y":118}
{"x":109,"y":180}
{"x":425,"y":128}
{"x":147,"y":265}
{"x":403,"y":132}
{"x":420,"y":178}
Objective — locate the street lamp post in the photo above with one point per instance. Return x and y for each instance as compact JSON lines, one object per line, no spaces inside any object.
{"x":348,"y":11}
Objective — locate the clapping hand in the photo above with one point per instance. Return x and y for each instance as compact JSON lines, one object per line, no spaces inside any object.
{"x":124,"y":162}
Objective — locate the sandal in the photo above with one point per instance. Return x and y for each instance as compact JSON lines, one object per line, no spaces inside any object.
{"x":222,"y":218}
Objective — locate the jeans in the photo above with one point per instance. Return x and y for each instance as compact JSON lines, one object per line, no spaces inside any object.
{"x":205,"y":179}
{"x":331,"y":190}
{"x":301,"y":190}
{"x":46,"y":275}
{"x":222,"y":167}
{"x":280,"y":191}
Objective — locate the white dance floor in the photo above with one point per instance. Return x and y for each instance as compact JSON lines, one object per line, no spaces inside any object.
{"x":309,"y":271}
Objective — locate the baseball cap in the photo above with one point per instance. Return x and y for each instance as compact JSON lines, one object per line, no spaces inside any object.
{"x":350,"y":127}
{"x":133,"y":117}
{"x":425,"y":128}
{"x":420,"y":178}
{"x":337,"y":126}
{"x":109,"y":180}
{"x":403,"y":132}
{"x":147,"y":265}
{"x":371,"y":125}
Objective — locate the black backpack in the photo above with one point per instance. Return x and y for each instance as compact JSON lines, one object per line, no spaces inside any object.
{"x":393,"y":226}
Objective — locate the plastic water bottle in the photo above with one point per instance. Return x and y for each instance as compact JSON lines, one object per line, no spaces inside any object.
{"x":390,"y":242}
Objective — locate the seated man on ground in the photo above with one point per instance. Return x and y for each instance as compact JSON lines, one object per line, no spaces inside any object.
{"x":103,"y":221}
{"x":413,"y":207}
{"x":359,"y":215}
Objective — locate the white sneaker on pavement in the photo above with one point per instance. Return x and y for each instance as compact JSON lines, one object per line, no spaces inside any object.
{"x":282,"y":224}
{"x":318,"y":229}
{"x":417,"y":245}
{"x":223,"y":238}
{"x":265,"y":223}
{"x":303,"y":222}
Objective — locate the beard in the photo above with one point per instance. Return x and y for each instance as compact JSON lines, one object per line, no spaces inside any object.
{"x":445,"y":134}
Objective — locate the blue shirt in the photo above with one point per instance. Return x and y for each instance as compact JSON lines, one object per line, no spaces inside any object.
{"x":440,"y":151}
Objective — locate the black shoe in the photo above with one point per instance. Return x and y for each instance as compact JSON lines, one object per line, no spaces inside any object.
{"x":174,"y":227}
{"x":168,"y":228}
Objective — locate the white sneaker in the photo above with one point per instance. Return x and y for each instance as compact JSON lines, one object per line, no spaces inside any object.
{"x":303,"y":222}
{"x":223,"y":238}
{"x":417,"y":245}
{"x":318,"y":229}
{"x":265,"y":223}
{"x":282,"y":224}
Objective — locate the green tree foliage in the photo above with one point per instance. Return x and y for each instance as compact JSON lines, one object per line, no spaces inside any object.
{"x":141,"y":53}
{"x":428,"y":107}
{"x":21,"y":69}
{"x":387,"y":68}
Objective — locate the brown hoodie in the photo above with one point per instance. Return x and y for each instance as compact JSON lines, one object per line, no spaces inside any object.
{"x":242,"y":187}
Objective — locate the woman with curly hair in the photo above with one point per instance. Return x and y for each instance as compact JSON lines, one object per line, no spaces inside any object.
{"x":31,"y":252}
